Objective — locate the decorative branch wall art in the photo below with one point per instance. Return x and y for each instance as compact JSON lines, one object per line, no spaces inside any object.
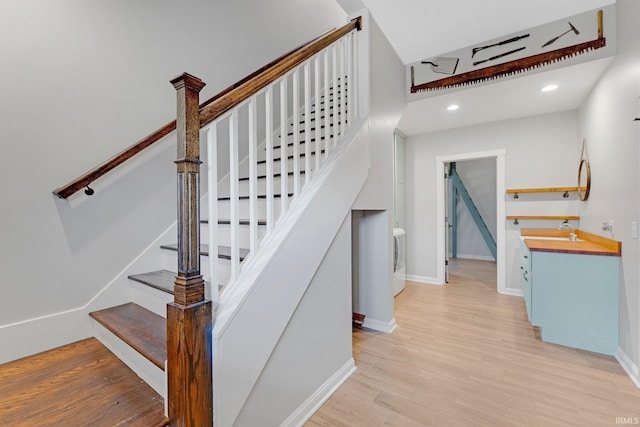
{"x":495,"y":51}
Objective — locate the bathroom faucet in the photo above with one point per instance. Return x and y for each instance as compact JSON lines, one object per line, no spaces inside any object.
{"x":572,"y":236}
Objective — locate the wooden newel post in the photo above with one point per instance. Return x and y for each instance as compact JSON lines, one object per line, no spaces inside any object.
{"x":189,"y":317}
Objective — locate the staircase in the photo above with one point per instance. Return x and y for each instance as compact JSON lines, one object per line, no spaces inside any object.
{"x":264,"y":200}
{"x":459,"y":188}
{"x":141,"y":324}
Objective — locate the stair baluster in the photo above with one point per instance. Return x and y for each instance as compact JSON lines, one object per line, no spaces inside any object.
{"x":284,"y":141}
{"x":212,"y":205}
{"x":327,"y":115}
{"x":253,"y":174}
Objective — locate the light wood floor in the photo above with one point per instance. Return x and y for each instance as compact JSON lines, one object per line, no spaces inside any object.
{"x":464,"y":355}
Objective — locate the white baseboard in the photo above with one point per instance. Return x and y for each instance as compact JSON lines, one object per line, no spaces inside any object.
{"x":317,"y":399}
{"x":514,"y":292}
{"x":378,"y":325}
{"x":34,"y":336}
{"x":424,"y":279}
{"x":476,"y":257}
{"x":630,"y":368}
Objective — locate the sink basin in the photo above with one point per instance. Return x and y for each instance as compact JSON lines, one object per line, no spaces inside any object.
{"x":559,"y":239}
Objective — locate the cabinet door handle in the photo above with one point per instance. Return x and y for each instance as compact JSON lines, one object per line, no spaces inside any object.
{"x":524,"y":276}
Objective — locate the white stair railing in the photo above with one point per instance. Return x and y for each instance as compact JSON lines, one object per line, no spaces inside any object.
{"x":318,"y":94}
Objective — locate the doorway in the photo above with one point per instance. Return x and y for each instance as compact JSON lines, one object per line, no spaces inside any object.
{"x":441,"y":208}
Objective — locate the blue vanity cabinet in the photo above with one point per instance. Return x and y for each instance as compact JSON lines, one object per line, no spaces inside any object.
{"x":574,"y":299}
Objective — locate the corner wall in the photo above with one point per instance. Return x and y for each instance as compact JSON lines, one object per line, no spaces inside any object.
{"x":606,"y":123}
{"x":387,"y":102}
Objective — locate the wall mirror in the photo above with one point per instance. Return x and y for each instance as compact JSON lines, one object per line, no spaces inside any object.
{"x":584,"y":174}
{"x":584,"y":179}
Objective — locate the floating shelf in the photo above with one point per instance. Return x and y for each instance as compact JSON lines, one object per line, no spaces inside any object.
{"x":564,"y":190}
{"x":516,"y":218}
{"x":541,"y":190}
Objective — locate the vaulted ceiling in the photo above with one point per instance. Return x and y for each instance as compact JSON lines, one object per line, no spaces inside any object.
{"x":420,"y":29}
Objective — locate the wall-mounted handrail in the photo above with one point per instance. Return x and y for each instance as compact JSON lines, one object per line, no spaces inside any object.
{"x":218,"y":104}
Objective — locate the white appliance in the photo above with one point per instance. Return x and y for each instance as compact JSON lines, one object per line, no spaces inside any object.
{"x":399,"y":266}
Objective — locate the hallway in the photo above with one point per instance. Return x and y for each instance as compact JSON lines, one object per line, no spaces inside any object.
{"x":465,"y":355}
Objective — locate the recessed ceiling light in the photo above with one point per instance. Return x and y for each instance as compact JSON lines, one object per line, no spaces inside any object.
{"x":453,"y":107}
{"x":549,"y":88}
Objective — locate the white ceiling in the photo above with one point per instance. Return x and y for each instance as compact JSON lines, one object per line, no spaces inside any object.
{"x":507,"y":99}
{"x":419,"y":29}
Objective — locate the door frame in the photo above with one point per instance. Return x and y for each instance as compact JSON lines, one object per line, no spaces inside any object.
{"x":500,"y":158}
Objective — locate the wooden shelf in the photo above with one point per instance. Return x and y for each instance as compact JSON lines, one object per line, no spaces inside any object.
{"x":564,"y":190}
{"x":543,"y":217}
{"x":542,"y":190}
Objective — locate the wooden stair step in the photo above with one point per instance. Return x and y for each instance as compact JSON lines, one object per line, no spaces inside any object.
{"x":161,"y":279}
{"x":303,"y":131}
{"x":260,"y":196}
{"x":224,"y":252}
{"x":79,"y":384}
{"x":291,"y":157}
{"x":275,"y":175}
{"x":228,"y":221}
{"x":143,"y":330}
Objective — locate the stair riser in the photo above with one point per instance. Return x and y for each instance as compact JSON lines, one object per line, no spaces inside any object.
{"x":170,"y":262}
{"x":261,"y":185}
{"x":302,"y":140}
{"x":146,"y":370}
{"x":150,"y":298}
{"x":224,"y":208}
{"x":224,"y":234}
{"x":262,"y":167}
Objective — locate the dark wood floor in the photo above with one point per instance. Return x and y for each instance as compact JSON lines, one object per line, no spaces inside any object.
{"x":82,"y":384}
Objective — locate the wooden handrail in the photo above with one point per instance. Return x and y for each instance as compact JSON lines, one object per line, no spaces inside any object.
{"x":218,"y":104}
{"x":227,"y":101}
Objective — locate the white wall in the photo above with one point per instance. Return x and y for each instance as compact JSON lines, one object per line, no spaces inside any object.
{"x":612,"y":139}
{"x":540,"y":152}
{"x":315,"y":344}
{"x":83,"y":80}
{"x":479,"y":178}
{"x":387,"y":102}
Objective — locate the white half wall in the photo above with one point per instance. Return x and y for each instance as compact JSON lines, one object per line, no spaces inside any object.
{"x":315,"y":345}
{"x":540,"y":152}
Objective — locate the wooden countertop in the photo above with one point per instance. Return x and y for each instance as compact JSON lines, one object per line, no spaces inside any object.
{"x":591,"y":244}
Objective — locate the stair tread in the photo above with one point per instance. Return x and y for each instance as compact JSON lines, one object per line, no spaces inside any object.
{"x":260,"y":196}
{"x":275,"y":175}
{"x":162,"y":280}
{"x":224,"y":252}
{"x":228,"y":221}
{"x":143,"y":330}
{"x":291,"y":157}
